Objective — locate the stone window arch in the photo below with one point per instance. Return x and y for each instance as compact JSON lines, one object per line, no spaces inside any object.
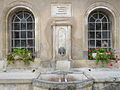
{"x":99,"y":30}
{"x":22,"y":29}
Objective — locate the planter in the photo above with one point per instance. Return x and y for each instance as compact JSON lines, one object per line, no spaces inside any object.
{"x":18,"y":65}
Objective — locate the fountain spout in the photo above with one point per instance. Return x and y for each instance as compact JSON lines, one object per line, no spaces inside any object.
{"x":62,"y":51}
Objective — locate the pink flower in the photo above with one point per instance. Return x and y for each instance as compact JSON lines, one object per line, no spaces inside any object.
{"x":110,"y":53}
{"x":23,"y":58}
{"x":9,"y":53}
{"x":96,"y":49}
{"x":110,"y":64}
{"x":118,"y":58}
{"x":111,"y":60}
{"x":36,"y":54}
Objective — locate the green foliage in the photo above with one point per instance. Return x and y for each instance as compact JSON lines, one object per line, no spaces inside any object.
{"x":102,"y":57}
{"x":101,"y":50}
{"x":20,"y":54}
{"x":95,"y":51}
{"x":90,"y":56}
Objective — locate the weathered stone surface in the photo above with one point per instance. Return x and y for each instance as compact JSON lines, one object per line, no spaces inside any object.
{"x":63,"y":65}
{"x":38,"y":88}
{"x":61,"y":41}
{"x":1,"y":65}
{"x":41,"y":10}
{"x":104,"y":79}
{"x":61,"y":10}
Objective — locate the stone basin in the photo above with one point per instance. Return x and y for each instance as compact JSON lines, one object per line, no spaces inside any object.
{"x":62,"y":80}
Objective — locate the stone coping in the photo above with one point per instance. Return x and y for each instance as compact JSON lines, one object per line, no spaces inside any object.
{"x":98,"y":74}
{"x":16,"y":77}
{"x":13,"y":81}
{"x":103,"y":74}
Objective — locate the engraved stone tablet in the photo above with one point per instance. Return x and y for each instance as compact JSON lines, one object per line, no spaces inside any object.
{"x":61,"y":10}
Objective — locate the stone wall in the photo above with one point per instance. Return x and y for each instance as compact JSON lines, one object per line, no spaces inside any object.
{"x":41,"y":9}
{"x":103,"y":79}
{"x":106,"y":86}
{"x":29,"y":86}
{"x":16,"y":85}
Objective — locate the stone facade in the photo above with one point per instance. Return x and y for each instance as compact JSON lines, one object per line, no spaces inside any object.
{"x":47,"y":18}
{"x":61,"y":41}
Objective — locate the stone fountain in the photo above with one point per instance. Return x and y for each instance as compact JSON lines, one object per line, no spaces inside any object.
{"x":63,"y":77}
{"x":63,"y":80}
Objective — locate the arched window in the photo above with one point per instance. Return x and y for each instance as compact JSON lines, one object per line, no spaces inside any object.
{"x":22,"y":30}
{"x":99,"y":31}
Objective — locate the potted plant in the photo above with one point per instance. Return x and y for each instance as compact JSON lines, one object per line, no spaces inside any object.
{"x":23,"y":55}
{"x":102,"y":56}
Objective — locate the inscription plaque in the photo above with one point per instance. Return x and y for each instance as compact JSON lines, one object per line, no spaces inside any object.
{"x":61,"y":10}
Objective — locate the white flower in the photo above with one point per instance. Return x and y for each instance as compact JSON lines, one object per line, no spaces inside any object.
{"x":17,"y":57}
{"x":29,"y":54}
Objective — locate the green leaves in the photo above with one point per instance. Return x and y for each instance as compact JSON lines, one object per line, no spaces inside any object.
{"x":102,"y":58}
{"x":20,"y":54}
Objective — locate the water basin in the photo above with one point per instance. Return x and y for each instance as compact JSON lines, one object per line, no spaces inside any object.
{"x":62,"y":80}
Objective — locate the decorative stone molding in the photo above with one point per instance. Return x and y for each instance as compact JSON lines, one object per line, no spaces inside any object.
{"x":61,"y":38}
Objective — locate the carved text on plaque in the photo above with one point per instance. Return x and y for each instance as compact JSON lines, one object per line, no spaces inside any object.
{"x":61,"y":10}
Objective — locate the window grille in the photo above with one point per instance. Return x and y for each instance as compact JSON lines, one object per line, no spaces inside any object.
{"x":99,"y":31}
{"x":23,"y":31}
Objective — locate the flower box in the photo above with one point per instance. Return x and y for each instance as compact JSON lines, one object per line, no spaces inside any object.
{"x":19,"y":65}
{"x":102,"y":56}
{"x":20,"y":58}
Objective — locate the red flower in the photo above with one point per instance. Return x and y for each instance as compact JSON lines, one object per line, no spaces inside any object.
{"x":116,"y":61}
{"x":89,"y":50}
{"x":118,"y":58}
{"x":110,"y":64}
{"x":96,"y":49}
{"x":110,"y":53}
